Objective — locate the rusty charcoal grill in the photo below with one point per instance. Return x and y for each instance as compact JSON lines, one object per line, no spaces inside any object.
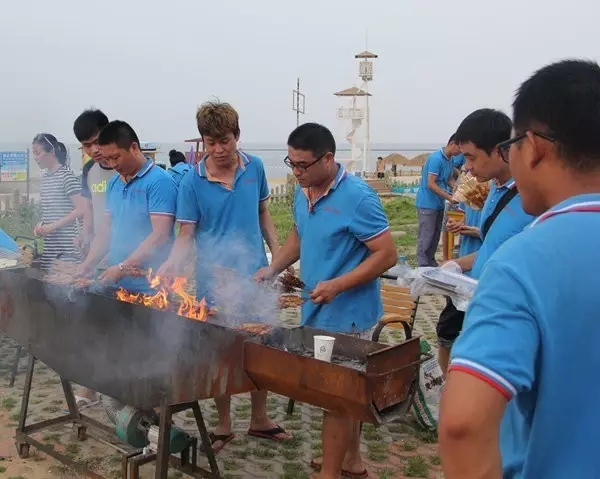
{"x":148,"y":358}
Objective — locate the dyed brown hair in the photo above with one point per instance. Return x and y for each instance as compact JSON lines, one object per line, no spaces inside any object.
{"x":216,"y":119}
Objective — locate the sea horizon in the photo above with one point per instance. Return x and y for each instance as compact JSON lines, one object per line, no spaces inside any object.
{"x":272,"y":154}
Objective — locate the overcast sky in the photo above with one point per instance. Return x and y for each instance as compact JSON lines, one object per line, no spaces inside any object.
{"x":152,"y":62}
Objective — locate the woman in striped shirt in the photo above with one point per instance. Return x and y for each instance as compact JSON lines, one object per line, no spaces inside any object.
{"x":61,"y":200}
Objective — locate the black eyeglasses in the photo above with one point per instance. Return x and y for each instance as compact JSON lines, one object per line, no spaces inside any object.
{"x":302,"y":168}
{"x":504,"y":146}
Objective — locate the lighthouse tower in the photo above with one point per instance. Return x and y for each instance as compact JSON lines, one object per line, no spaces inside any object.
{"x":357,"y":113}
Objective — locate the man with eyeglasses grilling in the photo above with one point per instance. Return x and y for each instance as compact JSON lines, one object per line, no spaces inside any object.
{"x":482,"y":138}
{"x":342,"y":238}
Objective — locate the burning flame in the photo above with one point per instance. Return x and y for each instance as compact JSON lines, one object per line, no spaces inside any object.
{"x":167,"y":290}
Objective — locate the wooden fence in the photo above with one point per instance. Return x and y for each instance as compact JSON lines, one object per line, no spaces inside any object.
{"x":283,"y":193}
{"x":279,"y":194}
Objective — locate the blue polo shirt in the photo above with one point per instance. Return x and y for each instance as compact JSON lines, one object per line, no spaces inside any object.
{"x":458,"y":161}
{"x":440,"y":165}
{"x":333,"y":233}
{"x":470,"y":244}
{"x":531,"y":332}
{"x":130,"y":205}
{"x":178,"y":171}
{"x":511,"y":221}
{"x":7,"y":243}
{"x":228,"y":232}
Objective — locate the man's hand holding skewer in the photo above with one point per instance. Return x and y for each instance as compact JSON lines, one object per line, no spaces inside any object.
{"x":264,"y":274}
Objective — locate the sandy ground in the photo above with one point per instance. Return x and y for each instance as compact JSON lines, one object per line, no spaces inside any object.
{"x":395,"y":450}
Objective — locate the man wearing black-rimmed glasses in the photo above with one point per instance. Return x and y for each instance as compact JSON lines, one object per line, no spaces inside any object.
{"x":482,"y":137}
{"x":342,"y":238}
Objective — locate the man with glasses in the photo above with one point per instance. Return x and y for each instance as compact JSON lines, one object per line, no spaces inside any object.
{"x":480,"y":136}
{"x":342,"y":238}
{"x":521,"y":400}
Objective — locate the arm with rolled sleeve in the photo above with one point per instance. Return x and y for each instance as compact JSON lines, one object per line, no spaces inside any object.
{"x":492,"y":361}
{"x":370,"y":226}
{"x":162,"y":201}
{"x":435,"y":171}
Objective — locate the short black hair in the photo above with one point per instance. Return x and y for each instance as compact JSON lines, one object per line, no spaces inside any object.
{"x":563,"y":100}
{"x":89,"y":124}
{"x":176,"y":157}
{"x":485,"y":128}
{"x":119,"y":133}
{"x":452,"y":139}
{"x":312,"y":137}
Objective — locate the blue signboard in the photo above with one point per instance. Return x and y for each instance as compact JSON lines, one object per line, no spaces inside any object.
{"x":13,"y":165}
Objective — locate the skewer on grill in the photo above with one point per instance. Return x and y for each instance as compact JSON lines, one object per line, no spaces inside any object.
{"x":292,"y":284}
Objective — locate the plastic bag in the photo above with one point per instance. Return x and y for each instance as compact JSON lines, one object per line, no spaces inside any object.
{"x":426,"y":404}
{"x":419,"y":286}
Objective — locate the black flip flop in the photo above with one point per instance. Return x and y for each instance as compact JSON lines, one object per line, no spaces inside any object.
{"x":268,"y":433}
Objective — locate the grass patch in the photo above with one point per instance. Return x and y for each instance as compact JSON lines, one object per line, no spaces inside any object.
{"x":371,"y":434}
{"x":264,"y":452}
{"x":290,"y":454}
{"x":8,"y":403}
{"x":408,"y":446}
{"x":292,"y":470}
{"x":51,"y":437}
{"x":429,"y":437}
{"x":229,"y":464}
{"x":377,"y":451}
{"x":283,"y":219}
{"x":416,"y":467}
{"x":72,"y":449}
{"x":2,"y":469}
{"x":435,"y":460}
{"x":385,"y":474}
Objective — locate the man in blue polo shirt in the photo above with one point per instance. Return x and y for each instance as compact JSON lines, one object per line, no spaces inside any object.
{"x":341,"y":235}
{"x":521,"y":401}
{"x":502,"y":215}
{"x":222,"y":207}
{"x":434,"y":190}
{"x":179,"y":166}
{"x":140,"y":211}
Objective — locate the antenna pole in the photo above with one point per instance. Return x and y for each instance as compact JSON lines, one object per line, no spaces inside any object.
{"x":299,"y":102}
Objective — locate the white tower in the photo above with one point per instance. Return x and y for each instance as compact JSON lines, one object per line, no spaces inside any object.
{"x":355,"y":115}
{"x":365,"y":72}
{"x":359,"y":134}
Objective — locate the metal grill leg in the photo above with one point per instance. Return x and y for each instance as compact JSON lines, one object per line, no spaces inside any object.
{"x":290,"y":407}
{"x":206,"y":443}
{"x":23,"y":447}
{"x":15,"y":367}
{"x":162,"y":455}
{"x":26,"y":392}
{"x":70,"y":398}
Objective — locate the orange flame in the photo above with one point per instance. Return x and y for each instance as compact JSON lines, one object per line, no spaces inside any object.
{"x":189,"y":306}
